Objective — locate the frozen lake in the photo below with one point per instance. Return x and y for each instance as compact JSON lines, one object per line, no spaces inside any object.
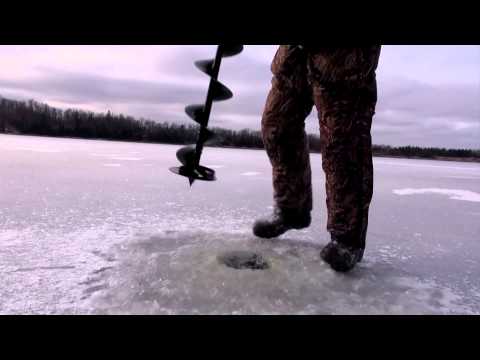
{"x":97,"y":227}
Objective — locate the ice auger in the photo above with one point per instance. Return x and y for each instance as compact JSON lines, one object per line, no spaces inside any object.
{"x":189,"y":156}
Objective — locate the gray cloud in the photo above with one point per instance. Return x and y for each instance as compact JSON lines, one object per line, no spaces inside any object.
{"x":410,"y":110}
{"x":452,"y":100}
{"x":88,"y":88}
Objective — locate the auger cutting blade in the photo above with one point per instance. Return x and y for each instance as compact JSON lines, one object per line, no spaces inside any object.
{"x":195,"y":112}
{"x":201,"y":173}
{"x":205,"y":66}
{"x":231,"y":50}
{"x":220,"y":91}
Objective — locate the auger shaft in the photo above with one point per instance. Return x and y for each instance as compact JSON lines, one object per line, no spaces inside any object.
{"x":208,"y":105}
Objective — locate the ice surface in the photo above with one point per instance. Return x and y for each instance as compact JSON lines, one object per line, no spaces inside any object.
{"x":77,"y":236}
{"x":126,"y":158}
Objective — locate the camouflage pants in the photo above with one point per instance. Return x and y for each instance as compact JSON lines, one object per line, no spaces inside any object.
{"x":341,"y":83}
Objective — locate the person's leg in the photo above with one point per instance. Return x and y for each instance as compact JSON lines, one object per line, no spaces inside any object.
{"x":288,"y":104}
{"x":345,"y":124}
{"x":345,"y":110}
{"x":366,"y":116}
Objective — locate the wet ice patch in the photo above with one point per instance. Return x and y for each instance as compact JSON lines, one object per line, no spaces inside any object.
{"x":454,"y":194}
{"x":250,"y":173}
{"x":178,"y":272}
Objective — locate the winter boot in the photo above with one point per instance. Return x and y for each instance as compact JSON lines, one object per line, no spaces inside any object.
{"x":280,"y":222}
{"x":341,"y":257}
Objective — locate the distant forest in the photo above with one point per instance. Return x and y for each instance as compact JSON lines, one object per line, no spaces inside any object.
{"x":34,"y":118}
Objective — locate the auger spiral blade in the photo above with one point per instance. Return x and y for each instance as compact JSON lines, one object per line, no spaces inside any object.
{"x":205,"y":66}
{"x":220,"y":91}
{"x":206,"y":136}
{"x":189,"y":156}
{"x":186,"y":156}
{"x":232,"y":50}
{"x":196,"y":113}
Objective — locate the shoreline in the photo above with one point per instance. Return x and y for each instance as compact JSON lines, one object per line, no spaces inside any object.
{"x":437,"y":158}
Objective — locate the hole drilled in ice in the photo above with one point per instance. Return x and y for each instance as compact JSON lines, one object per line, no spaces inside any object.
{"x":241,"y":260}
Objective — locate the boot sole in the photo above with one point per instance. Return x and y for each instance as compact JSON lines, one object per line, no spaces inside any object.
{"x":267,"y":235}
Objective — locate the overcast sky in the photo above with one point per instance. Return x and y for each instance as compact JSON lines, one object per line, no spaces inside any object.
{"x":428,"y":95}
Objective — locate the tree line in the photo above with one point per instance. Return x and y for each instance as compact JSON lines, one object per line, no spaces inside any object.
{"x":34,"y":118}
{"x":427,"y":153}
